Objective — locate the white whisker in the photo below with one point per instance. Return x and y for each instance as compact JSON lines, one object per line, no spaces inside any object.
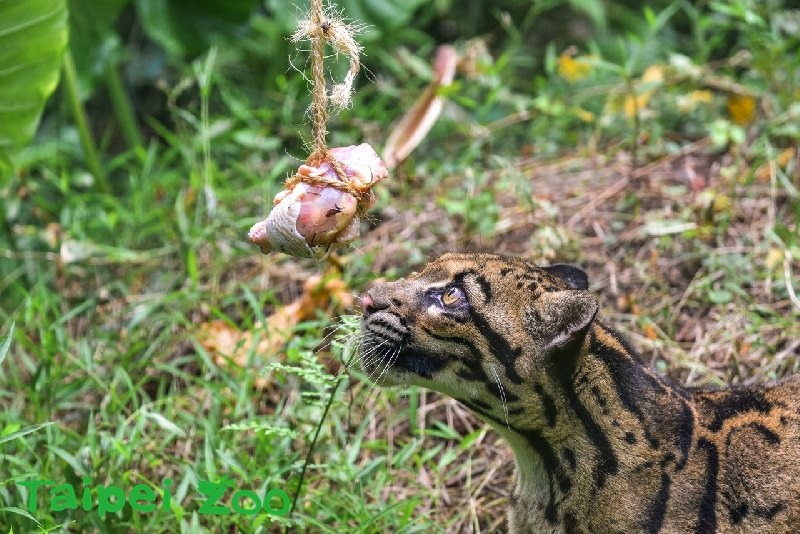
{"x":388,"y":362}
{"x":502,"y":394}
{"x":391,"y":361}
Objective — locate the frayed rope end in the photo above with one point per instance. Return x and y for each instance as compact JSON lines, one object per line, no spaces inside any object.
{"x":340,"y":35}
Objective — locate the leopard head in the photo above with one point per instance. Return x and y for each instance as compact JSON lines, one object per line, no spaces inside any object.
{"x":477,"y":327}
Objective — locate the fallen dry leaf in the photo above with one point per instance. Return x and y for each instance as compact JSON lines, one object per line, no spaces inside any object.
{"x":417,"y":122}
{"x":764,"y":172}
{"x":229,"y":345}
{"x":650,"y":332}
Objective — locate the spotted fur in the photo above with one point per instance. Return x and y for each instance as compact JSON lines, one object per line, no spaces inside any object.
{"x":602,"y":442}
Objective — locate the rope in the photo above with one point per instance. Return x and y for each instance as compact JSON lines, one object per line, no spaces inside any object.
{"x":318,"y":27}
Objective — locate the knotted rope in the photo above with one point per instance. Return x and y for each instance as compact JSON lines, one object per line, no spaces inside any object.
{"x":319,"y":27}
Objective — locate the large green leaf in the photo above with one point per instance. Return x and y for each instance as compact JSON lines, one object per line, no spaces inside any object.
{"x":33,"y":34}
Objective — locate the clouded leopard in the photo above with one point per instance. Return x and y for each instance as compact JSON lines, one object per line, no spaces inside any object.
{"x":602,"y":443}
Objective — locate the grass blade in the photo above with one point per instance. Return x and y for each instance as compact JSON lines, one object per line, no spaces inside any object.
{"x":24,"y":432}
{"x":6,"y":343}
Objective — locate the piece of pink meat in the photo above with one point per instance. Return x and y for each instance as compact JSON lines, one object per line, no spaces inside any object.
{"x":312,"y":215}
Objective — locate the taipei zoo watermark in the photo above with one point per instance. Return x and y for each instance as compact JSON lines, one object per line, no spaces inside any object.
{"x":144,"y":498}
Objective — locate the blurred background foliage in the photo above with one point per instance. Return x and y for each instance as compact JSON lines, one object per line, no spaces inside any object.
{"x":131,"y":56}
{"x":562,"y":72}
{"x":128,"y":52}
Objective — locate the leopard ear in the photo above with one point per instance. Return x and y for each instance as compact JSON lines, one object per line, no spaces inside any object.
{"x":559,"y":318}
{"x":574,"y":277}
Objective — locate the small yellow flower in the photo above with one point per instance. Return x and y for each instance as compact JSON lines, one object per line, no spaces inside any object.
{"x":571,"y":69}
{"x":633,"y":105}
{"x":774,"y":258}
{"x":584,"y":115}
{"x":742,"y":109}
{"x":653,"y":74}
{"x":694,"y":99}
{"x":721,"y":203}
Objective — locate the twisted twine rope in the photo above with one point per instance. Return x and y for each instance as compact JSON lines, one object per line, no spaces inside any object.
{"x":318,"y":27}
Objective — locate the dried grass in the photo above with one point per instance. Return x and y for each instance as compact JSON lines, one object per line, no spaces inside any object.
{"x":640,"y":277}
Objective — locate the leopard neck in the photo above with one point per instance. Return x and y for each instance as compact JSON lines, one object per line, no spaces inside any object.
{"x":609,"y":407}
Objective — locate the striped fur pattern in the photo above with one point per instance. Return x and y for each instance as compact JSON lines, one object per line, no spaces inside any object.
{"x":602,"y":443}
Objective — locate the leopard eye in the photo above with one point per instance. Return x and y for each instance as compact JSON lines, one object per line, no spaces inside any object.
{"x":452,"y":297}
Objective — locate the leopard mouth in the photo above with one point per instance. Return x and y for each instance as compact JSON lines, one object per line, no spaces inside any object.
{"x":388,"y":351}
{"x":383,"y":337}
{"x":398,"y":361}
{"x":424,"y":365}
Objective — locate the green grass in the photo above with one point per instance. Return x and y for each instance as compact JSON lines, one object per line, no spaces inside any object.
{"x":685,"y":220}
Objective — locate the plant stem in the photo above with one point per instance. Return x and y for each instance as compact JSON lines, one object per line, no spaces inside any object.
{"x":313,"y":443}
{"x":636,"y":121}
{"x":82,"y":123}
{"x":123,"y":107}
{"x":316,"y":436}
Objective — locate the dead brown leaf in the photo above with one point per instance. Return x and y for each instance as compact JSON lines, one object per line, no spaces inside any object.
{"x":420,"y":118}
{"x":650,"y":332}
{"x":782,"y":160}
{"x":231,"y":346}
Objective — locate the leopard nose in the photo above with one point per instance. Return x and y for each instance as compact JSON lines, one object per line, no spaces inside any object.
{"x":366,"y":301}
{"x":370,"y":305}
